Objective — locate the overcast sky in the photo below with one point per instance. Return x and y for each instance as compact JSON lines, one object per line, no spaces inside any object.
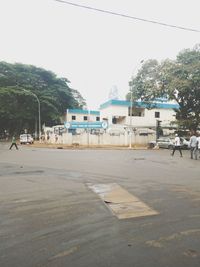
{"x":95,"y":51}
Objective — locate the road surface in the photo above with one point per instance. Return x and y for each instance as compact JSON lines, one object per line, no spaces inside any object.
{"x":50,"y":216}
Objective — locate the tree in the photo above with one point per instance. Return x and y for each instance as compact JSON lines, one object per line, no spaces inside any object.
{"x":19,"y":107}
{"x":177,"y":80}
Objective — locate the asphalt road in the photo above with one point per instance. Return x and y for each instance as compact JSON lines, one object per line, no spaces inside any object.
{"x":49,"y":217}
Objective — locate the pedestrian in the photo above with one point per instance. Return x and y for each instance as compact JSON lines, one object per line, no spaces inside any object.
{"x":177,"y":145}
{"x":13,"y":143}
{"x":198,"y":146}
{"x":193,"y":146}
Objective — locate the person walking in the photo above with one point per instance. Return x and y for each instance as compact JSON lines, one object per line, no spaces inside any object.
{"x":13,"y":143}
{"x":198,"y":147}
{"x":193,"y":146}
{"x":177,"y":145}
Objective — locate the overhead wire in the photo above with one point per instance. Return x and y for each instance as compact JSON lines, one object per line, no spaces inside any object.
{"x":127,"y":16}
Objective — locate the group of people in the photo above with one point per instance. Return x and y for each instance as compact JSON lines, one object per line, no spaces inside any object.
{"x":194,"y":145}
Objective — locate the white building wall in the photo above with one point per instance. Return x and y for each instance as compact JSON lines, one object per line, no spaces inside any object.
{"x":148,"y":120}
{"x":80,"y":117}
{"x":111,"y":111}
{"x":105,"y":139}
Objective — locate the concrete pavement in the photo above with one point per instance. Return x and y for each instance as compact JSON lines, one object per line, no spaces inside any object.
{"x":50,"y":217}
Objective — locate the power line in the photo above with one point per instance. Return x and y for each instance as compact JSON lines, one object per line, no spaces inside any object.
{"x":127,"y":16}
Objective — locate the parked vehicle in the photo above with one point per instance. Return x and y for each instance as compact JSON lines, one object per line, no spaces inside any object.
{"x":165,"y":142}
{"x":26,"y":139}
{"x":185,"y":144}
{"x":152,"y":144}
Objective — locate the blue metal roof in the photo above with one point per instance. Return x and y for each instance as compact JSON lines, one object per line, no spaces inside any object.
{"x":141,"y":104}
{"x":83,"y":111}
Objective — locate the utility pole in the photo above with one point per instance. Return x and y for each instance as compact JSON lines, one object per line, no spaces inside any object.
{"x":88,"y":129}
{"x":131,"y":111}
{"x":158,"y":129}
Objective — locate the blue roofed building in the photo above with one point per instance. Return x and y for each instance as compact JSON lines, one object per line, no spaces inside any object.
{"x":82,"y":115}
{"x":138,"y":114}
{"x":114,"y":123}
{"x":126,"y":114}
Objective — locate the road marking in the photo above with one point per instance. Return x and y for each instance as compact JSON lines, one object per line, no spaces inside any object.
{"x":122,"y":204}
{"x":65,"y":253}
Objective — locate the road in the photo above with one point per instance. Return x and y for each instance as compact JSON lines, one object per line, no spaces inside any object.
{"x":50,"y":217}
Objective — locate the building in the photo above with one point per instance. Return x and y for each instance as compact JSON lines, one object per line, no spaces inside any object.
{"x":122,"y":115}
{"x":82,"y":115}
{"x":117,"y":123}
{"x":138,"y":114}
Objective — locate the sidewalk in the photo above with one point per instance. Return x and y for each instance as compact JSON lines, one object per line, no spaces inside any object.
{"x":76,"y":146}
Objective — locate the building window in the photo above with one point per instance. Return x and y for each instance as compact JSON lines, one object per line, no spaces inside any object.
{"x":114,"y":120}
{"x":97,"y":118}
{"x":73,"y":117}
{"x":157,"y":114}
{"x":85,"y":118}
{"x":136,"y":112}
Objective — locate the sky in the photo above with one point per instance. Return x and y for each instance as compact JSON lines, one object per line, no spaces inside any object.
{"x":95,"y":51}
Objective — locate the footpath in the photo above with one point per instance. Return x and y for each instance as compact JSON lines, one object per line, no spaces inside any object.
{"x":77,"y":146}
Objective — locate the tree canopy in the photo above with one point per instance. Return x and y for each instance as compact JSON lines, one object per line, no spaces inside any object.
{"x":177,"y":80}
{"x":21,"y":85}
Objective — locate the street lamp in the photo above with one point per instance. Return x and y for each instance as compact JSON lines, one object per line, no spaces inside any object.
{"x":39,"y":115}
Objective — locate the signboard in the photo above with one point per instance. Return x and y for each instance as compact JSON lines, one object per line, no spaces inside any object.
{"x":86,"y":125}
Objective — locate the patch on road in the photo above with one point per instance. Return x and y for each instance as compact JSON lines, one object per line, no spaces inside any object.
{"x":191,"y":253}
{"x":176,"y":236}
{"x":123,"y":204}
{"x":139,"y":158}
{"x":65,"y":253}
{"x":185,"y":191}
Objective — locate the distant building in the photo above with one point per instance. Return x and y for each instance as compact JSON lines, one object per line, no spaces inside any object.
{"x":118,"y":112}
{"x":82,"y":115}
{"x":118,"y":122}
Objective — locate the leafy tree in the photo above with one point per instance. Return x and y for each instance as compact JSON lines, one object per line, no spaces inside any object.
{"x":20,"y":83}
{"x":177,"y":80}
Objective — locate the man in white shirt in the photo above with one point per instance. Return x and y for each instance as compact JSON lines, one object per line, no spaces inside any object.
{"x":177,"y":145}
{"x":193,"y":146}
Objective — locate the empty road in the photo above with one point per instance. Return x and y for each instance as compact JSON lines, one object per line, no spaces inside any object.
{"x":51,"y":215}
